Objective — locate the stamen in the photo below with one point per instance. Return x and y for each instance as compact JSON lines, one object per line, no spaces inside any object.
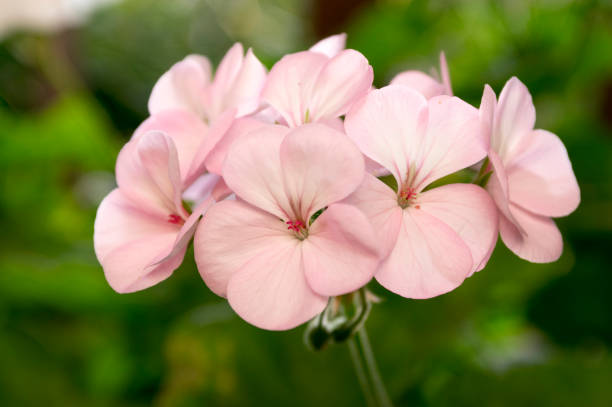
{"x":298,"y":227}
{"x":406,"y":197}
{"x":175,"y":219}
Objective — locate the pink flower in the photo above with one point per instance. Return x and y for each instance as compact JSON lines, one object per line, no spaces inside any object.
{"x":309,"y":86}
{"x":434,"y":238}
{"x":142,"y":229}
{"x":263,"y":251}
{"x":532,"y":177}
{"x":187,"y":89}
{"x":425,"y":84}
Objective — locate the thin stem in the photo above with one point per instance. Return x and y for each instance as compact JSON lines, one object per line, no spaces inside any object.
{"x":367,"y":371}
{"x":379,"y":386}
{"x":361,"y":374}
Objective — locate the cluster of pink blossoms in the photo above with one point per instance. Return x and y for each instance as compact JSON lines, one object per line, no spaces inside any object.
{"x":274,"y":174}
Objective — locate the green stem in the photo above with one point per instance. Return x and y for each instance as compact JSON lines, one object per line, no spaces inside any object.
{"x":367,"y":371}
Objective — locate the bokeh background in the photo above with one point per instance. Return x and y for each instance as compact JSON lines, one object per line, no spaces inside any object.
{"x":74,"y":80}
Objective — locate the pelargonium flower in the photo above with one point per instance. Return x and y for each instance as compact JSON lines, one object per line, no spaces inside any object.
{"x":265,"y":251}
{"x":532,"y":177}
{"x":426,"y":84}
{"x":434,"y":238}
{"x":187,"y":90}
{"x":310,"y":86}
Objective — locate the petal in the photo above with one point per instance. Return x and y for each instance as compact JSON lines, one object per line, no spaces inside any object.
{"x":487,"y":113}
{"x":240,"y":127}
{"x":182,"y":87}
{"x":320,"y":166}
{"x":448,"y":89}
{"x":271,"y":291}
{"x":383,"y":124}
{"x":185,"y":129}
{"x":344,"y":79}
{"x":289,"y":86}
{"x":231,"y":234}
{"x":148,"y":173}
{"x":201,"y":188}
{"x":419,"y":81}
{"x":341,"y":252}
{"x":252,"y":169}
{"x":246,"y":87}
{"x":498,"y":187}
{"x":221,"y":86}
{"x":330,"y":46}
{"x":540,"y":243}
{"x":428,"y":259}
{"x":470,"y":212}
{"x":454,"y":140}
{"x":514,"y":118}
{"x":540,"y":178}
{"x":130,"y":244}
{"x":217,"y":131}
{"x":379,"y":203}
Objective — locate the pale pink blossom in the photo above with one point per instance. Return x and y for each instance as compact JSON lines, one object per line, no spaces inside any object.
{"x":427,"y":85}
{"x":261,"y":251}
{"x":142,"y":229}
{"x":434,"y":238}
{"x":532,"y":179}
{"x":310,"y":86}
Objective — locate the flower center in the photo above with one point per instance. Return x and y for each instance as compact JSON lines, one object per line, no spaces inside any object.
{"x":175,"y":219}
{"x":406,"y":197}
{"x":298,"y":227}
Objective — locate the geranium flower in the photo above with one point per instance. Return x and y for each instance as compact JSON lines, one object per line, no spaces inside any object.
{"x":434,"y":238}
{"x":532,"y":177}
{"x":309,"y":86}
{"x":264,"y":251}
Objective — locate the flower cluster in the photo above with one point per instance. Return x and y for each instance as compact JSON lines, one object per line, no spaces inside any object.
{"x":277,"y":177}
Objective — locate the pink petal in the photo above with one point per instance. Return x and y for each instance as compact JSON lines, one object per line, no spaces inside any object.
{"x":514,"y":118}
{"x":498,"y":187}
{"x":384,"y":123}
{"x":216,"y":133}
{"x":540,"y":243}
{"x":448,"y":89}
{"x":344,"y":79}
{"x":201,"y":188}
{"x":148,"y":173}
{"x":379,"y":203}
{"x":253,"y":170}
{"x":421,"y":82}
{"x":231,"y":234}
{"x":428,"y":259}
{"x":289,"y":86}
{"x":330,"y":46}
{"x":470,"y":212}
{"x":130,"y":244}
{"x":540,"y":178}
{"x":487,"y":113}
{"x":240,"y":127}
{"x":454,"y":140}
{"x":226,"y":74}
{"x":341,"y":252}
{"x":320,"y":166}
{"x":185,"y":129}
{"x":244,"y":91}
{"x":182,"y":87}
{"x":271,"y":291}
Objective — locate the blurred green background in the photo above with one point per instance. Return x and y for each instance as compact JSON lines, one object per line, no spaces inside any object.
{"x":71,"y":92}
